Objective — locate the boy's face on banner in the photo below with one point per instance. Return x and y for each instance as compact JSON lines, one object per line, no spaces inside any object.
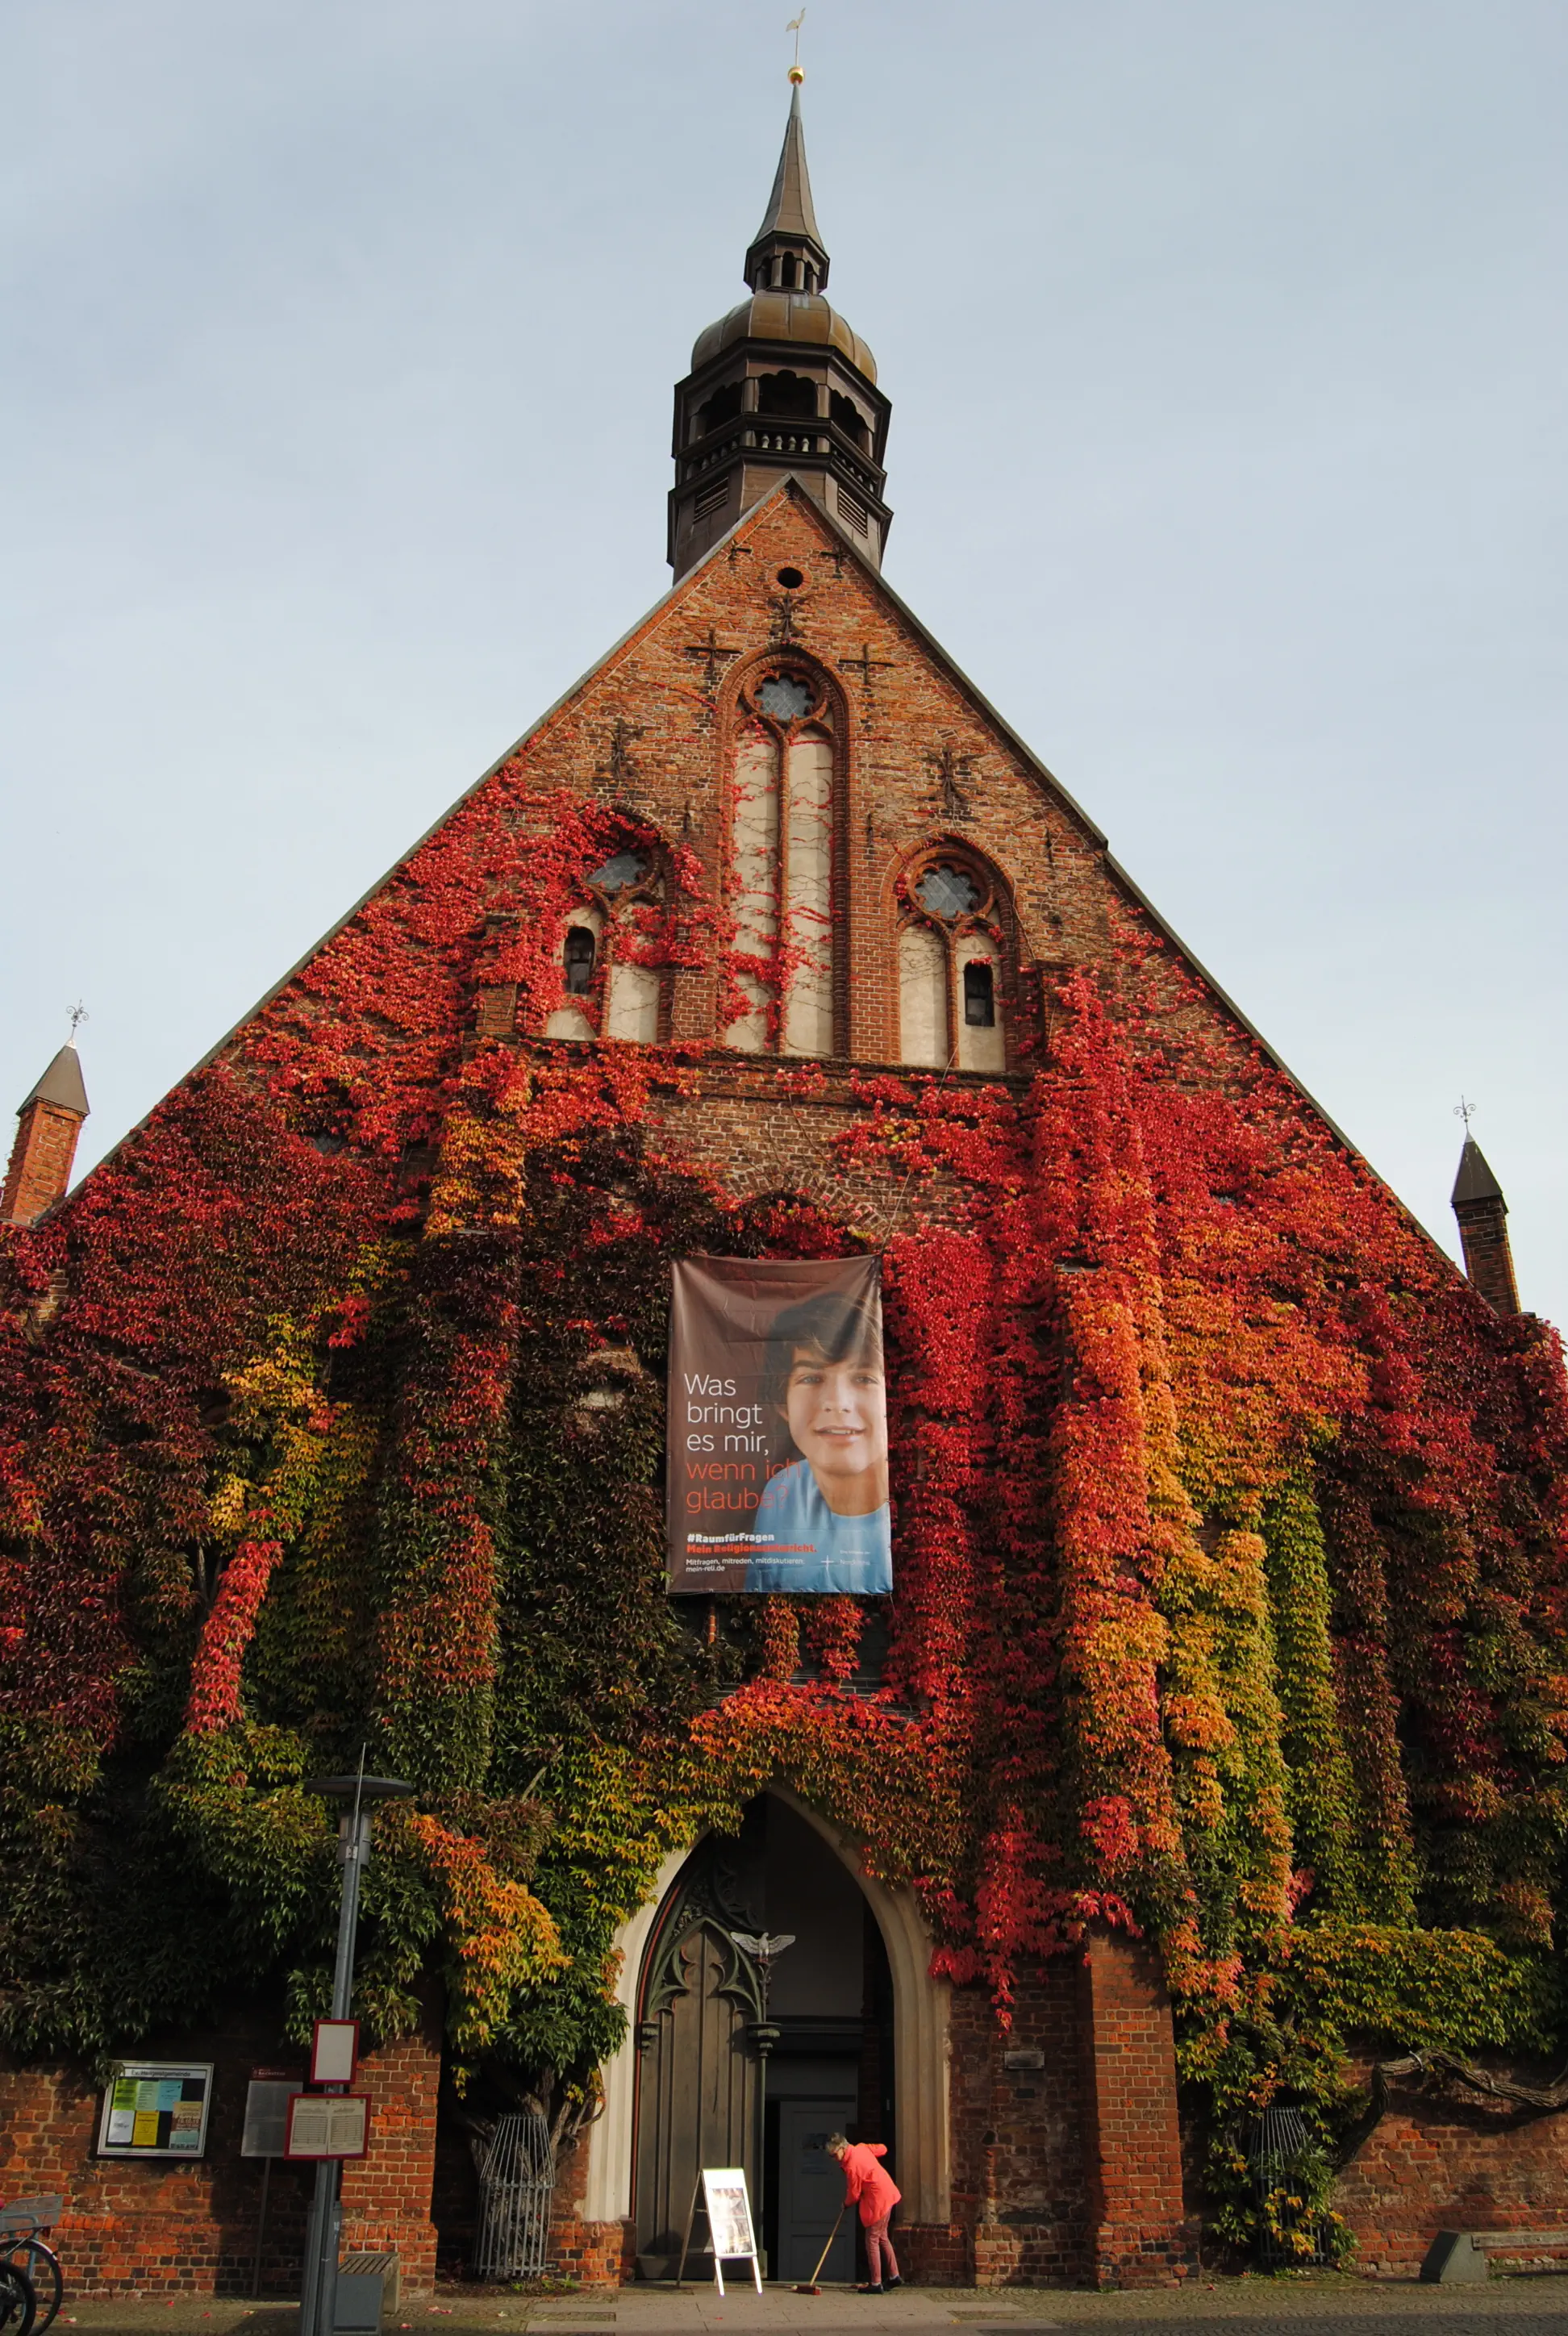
{"x":777,"y":1450}
{"x":837,"y":1415}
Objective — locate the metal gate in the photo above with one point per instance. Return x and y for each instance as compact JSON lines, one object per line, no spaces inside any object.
{"x":516,"y":2183}
{"x":1278,"y":2156}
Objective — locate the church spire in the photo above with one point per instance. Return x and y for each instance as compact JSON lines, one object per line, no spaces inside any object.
{"x":789,"y":229}
{"x":782,"y":387}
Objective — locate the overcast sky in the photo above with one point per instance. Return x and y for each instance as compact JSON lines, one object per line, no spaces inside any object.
{"x":1226,"y":347}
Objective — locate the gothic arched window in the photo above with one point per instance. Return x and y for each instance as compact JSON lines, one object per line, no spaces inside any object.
{"x":781,"y":864}
{"x":951,"y":964}
{"x":610,"y":989}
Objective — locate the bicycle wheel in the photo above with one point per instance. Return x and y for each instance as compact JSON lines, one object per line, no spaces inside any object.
{"x":40,"y":2265}
{"x":18,"y":2305}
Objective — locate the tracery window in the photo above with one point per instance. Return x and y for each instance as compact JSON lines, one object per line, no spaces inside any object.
{"x":951,"y":964}
{"x":612,"y":989}
{"x":781,"y":865}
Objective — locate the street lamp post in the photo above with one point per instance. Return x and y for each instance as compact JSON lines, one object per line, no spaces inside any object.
{"x":359,"y":1796}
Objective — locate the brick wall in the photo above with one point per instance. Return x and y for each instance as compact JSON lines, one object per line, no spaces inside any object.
{"x":1451,"y":2163}
{"x":1488,"y":1256}
{"x":40,"y":1158}
{"x":1020,"y":2191}
{"x":760,"y":1136}
{"x":1131,"y":2132}
{"x":162,"y":2227}
{"x":386,"y":2194}
{"x":596,"y":2255}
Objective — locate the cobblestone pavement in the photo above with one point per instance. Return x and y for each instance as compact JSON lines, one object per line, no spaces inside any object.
{"x":1312,"y":2306}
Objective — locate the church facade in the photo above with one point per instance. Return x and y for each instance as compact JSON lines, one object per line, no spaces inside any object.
{"x":1210,"y":1746}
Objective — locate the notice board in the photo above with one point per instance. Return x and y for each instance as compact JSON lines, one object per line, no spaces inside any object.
{"x":156,"y":2109}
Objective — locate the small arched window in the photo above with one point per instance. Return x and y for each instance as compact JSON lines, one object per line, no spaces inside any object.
{"x":786,"y":392}
{"x":980,"y":995}
{"x":722,"y":407}
{"x":611,"y":982}
{"x":953,"y":965}
{"x":578,"y":961}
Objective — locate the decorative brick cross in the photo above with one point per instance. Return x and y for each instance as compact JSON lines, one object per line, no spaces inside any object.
{"x":619,"y":764}
{"x":865,"y":665}
{"x":951,"y":768}
{"x":712,"y":651}
{"x":783,"y":619}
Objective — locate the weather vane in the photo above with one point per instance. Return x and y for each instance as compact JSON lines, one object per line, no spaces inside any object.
{"x":79,"y":1014}
{"x":1465,"y":1111}
{"x":797,"y":73}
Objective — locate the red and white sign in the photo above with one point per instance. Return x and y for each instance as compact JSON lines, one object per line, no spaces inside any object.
{"x":335,"y":2051}
{"x":329,"y":2124}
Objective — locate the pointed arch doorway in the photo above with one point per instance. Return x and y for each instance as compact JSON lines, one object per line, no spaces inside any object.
{"x":717,"y":2086}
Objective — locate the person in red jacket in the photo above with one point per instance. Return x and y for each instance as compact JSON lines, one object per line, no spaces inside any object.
{"x":867,"y":2179}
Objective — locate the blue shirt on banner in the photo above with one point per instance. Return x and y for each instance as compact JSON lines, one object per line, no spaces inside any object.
{"x":815,"y":1548}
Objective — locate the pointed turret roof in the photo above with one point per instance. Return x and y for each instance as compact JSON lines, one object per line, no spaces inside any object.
{"x":789,"y":228}
{"x":1475,"y":1181}
{"x":61,"y":1083}
{"x":789,"y":210}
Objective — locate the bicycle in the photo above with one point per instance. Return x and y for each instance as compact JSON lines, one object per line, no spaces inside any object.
{"x":18,"y":2305}
{"x":25,"y":2256}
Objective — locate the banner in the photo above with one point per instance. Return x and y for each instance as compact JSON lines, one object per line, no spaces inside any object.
{"x":778,"y":1428}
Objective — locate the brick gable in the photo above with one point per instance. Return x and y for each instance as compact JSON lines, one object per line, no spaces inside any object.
{"x":649,"y":732}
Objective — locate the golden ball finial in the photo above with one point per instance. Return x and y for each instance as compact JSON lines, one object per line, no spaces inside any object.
{"x":797,"y":74}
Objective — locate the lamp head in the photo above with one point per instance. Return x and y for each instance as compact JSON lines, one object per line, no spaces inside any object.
{"x":362,"y":1789}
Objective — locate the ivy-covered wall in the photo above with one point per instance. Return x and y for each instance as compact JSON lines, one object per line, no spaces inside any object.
{"x":1229,"y":1521}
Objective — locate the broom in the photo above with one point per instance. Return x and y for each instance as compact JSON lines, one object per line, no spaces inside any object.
{"x":809,"y":2286}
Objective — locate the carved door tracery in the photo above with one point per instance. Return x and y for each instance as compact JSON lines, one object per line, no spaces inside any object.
{"x":698,"y":2078}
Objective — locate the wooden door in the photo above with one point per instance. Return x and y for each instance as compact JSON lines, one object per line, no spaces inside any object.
{"x":697,"y":2082}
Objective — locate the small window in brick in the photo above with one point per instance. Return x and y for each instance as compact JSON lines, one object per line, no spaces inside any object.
{"x":980,"y":995}
{"x":579,"y":961}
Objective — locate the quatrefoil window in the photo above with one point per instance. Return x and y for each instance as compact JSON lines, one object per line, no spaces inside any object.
{"x":626,"y":867}
{"x":786,"y":698}
{"x":946,"y":892}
